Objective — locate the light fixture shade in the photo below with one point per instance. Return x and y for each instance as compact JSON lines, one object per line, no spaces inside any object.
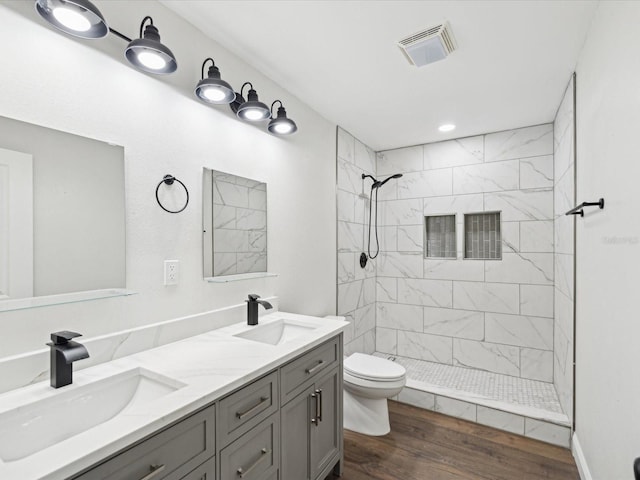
{"x":79,"y":18}
{"x":281,"y":125}
{"x":213,"y":89}
{"x":253,"y":110}
{"x":149,"y":55}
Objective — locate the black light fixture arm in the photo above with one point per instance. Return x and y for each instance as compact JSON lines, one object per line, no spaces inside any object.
{"x":213,"y":64}
{"x":121,"y":35}
{"x":143,"y":22}
{"x":276,"y":101}
{"x":244,"y":85}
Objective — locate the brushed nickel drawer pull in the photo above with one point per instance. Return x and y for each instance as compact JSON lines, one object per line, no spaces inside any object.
{"x":311,"y":371}
{"x":155,"y":470}
{"x":319,"y":405}
{"x":242,"y":473}
{"x":314,"y":420}
{"x":241,"y":415}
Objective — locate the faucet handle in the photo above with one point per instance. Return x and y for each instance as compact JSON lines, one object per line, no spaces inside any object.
{"x":60,"y":338}
{"x":253,"y":297}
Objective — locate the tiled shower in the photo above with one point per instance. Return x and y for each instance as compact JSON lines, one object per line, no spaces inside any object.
{"x":512,"y":315}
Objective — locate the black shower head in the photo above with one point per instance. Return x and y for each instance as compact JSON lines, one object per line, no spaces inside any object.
{"x":379,"y":184}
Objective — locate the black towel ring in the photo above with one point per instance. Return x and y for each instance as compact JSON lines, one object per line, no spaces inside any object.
{"x":168,"y":180}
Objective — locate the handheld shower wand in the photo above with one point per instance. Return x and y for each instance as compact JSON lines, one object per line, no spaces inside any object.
{"x":364,"y":257}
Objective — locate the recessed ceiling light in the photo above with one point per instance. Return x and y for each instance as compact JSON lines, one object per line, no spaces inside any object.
{"x":447,"y":127}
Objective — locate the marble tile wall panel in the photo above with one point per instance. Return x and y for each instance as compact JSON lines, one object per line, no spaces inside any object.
{"x":230,"y":241}
{"x":349,"y":177}
{"x":536,"y":300}
{"x":400,"y":264}
{"x":365,"y":158}
{"x":346,"y":267}
{"x":486,"y":177}
{"x":350,"y":237}
{"x":521,"y":205}
{"x":547,"y":432}
{"x":251,"y":262}
{"x":258,"y":199}
{"x":401,"y":160}
{"x":520,"y":143}
{"x":508,"y":422}
{"x":487,"y":356}
{"x":432,"y":348}
{"x":530,"y":268}
{"x":447,"y":269}
{"x":455,"y":408}
{"x":417,"y":398}
{"x":387,"y":340}
{"x":519,"y":330}
{"x":510,"y":232}
{"x":346,"y":146}
{"x":346,"y":203}
{"x":224,"y":216}
{"x":486,"y":297}
{"x":454,"y":153}
{"x":536,"y":364}
{"x":536,"y":172}
{"x":230,"y":194}
{"x":387,"y":290}
{"x":401,"y":212}
{"x":432,"y":183}
{"x":428,"y":293}
{"x":247,"y":219}
{"x":257,"y":241}
{"x":399,"y":317}
{"x":454,"y":323}
{"x":409,"y":238}
{"x":365,"y":319}
{"x":564,"y":273}
{"x":458,"y":204}
{"x":536,"y":236}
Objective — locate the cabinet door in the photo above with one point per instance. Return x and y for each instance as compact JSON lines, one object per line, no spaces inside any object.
{"x":296,"y":417}
{"x":325,"y":434}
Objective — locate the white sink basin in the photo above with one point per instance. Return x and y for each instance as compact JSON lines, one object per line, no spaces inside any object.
{"x":35,"y":426}
{"x":277,"y":332}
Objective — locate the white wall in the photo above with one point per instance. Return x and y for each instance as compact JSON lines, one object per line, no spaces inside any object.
{"x":86,"y":88}
{"x":608,"y":243}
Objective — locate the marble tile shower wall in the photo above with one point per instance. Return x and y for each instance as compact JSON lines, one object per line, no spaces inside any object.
{"x":495,"y":315}
{"x":564,"y":199}
{"x":356,"y":286}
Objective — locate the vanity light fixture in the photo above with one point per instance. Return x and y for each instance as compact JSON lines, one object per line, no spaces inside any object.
{"x":148,"y":54}
{"x":213,"y":89}
{"x":252,"y":110}
{"x":79,"y":18}
{"x":281,"y":125}
{"x":447,"y":127}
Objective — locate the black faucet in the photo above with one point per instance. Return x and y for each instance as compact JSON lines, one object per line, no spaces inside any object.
{"x":252,"y":308}
{"x":63,"y":353}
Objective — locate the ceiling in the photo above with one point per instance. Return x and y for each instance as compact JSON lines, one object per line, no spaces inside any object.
{"x":512,"y":64}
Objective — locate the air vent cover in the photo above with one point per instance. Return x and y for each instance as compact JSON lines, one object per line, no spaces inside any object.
{"x":429,"y":45}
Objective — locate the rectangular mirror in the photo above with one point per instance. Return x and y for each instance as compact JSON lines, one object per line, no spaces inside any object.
{"x":234,"y":224}
{"x":62,"y":213}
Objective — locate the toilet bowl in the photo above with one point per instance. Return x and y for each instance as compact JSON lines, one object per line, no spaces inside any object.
{"x":368,"y":382}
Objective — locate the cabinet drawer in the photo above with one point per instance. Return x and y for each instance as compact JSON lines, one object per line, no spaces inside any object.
{"x":255,"y":455}
{"x":298,"y":371}
{"x":172,"y":453}
{"x":206,"y":471}
{"x":240,"y":411}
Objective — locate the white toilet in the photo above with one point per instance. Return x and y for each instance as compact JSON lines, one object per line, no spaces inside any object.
{"x":368,"y":382}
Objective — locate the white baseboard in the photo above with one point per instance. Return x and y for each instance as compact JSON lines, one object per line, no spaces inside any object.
{"x":581,"y":462}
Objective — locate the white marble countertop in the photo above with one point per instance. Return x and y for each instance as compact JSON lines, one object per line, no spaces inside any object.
{"x":210,"y":365}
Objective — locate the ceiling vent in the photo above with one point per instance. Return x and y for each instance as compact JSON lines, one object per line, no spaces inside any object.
{"x":428,"y":46}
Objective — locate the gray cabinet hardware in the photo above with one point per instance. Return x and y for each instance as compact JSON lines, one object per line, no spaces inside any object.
{"x":242,"y":473}
{"x":313,"y":370}
{"x":154,"y":470}
{"x":319,"y":405}
{"x":241,"y":415}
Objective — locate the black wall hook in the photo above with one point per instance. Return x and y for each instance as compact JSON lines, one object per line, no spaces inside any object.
{"x":168,"y":180}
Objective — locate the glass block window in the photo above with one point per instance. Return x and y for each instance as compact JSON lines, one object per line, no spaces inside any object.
{"x":482,"y":236}
{"x":440,"y":236}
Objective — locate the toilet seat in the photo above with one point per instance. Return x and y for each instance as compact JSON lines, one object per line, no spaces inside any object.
{"x":374,"y":369}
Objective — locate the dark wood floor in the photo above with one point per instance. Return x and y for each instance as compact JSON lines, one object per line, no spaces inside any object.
{"x":425,"y":445}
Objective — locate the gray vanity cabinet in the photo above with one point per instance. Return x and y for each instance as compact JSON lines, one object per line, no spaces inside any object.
{"x":311,"y":413}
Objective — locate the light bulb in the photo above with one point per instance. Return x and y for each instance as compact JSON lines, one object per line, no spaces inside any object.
{"x":71,"y":19}
{"x":253,"y":114}
{"x":214,"y":94}
{"x":283,"y":128}
{"x":447,"y":127}
{"x":151,"y":60}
